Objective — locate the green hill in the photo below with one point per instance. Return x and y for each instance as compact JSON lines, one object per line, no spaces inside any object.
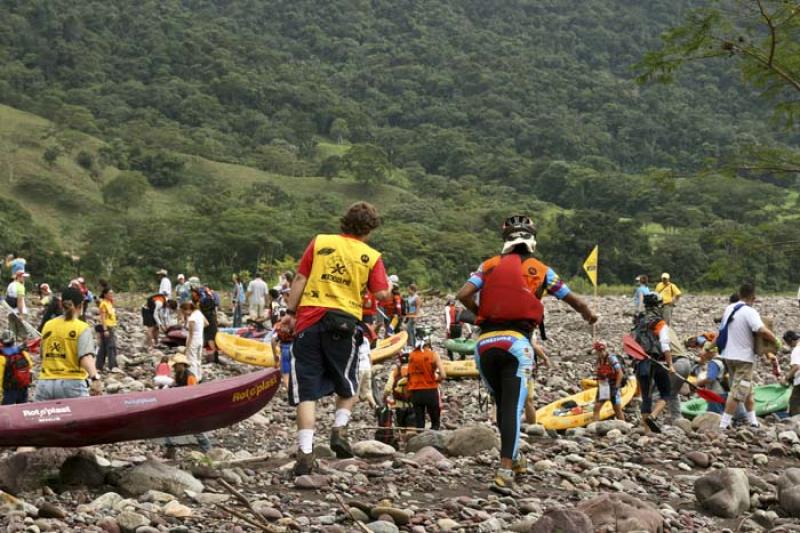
{"x":213,"y":137}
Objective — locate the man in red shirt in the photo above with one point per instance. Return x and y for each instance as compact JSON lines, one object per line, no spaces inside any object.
{"x":324,"y":308}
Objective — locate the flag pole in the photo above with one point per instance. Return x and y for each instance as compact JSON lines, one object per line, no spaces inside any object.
{"x":590,"y":266}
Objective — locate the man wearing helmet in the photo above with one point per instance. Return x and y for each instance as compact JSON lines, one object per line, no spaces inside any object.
{"x":511,"y":286}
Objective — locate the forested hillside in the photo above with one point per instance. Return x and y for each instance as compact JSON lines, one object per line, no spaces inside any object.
{"x":211,"y":136}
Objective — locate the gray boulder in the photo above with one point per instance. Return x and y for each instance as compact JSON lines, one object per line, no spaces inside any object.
{"x":706,"y":422}
{"x":789,"y":491}
{"x":152,"y":475}
{"x":471,"y":441}
{"x":428,"y":438}
{"x":622,"y":513}
{"x":724,"y":493}
{"x":557,"y":520}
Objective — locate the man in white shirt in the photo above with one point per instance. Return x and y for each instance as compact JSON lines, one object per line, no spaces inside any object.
{"x":165,"y":287}
{"x":743,"y":323}
{"x":792,"y":378}
{"x":257,"y":297}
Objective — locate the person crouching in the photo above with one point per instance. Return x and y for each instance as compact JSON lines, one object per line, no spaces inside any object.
{"x":610,"y":377}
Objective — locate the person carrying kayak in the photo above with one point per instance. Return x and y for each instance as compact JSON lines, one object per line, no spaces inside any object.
{"x":610,"y":379}
{"x":653,"y":335}
{"x":740,"y":324}
{"x":68,"y":349}
{"x":323,"y":309}
{"x":15,"y":370}
{"x":510,"y":309}
{"x":281,"y":341}
{"x":425,"y":372}
{"x":183,"y":377}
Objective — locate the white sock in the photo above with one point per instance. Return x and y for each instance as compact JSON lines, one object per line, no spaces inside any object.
{"x":725,"y":421}
{"x":751,"y":417}
{"x":342,"y":418}
{"x":305,"y":440}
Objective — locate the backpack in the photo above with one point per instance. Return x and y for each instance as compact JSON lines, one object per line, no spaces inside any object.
{"x":18,"y":371}
{"x":401,"y":393}
{"x":722,"y":337}
{"x":404,"y":306}
{"x":646,"y":337}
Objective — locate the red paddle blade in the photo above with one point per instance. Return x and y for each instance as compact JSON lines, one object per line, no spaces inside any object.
{"x":633,"y":348}
{"x":710,"y":396}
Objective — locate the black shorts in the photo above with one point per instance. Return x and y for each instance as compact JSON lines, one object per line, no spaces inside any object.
{"x":148,"y":318}
{"x":323,"y":362}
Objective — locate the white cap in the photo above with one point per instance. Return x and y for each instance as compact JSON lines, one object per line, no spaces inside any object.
{"x":394,"y":279}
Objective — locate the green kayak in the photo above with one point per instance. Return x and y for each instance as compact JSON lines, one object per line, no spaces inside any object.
{"x":769,"y":399}
{"x":462,"y":346}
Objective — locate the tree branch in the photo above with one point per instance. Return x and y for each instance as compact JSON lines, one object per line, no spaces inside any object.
{"x":735,"y":48}
{"x":772,"y":37}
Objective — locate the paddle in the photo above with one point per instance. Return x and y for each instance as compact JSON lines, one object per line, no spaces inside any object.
{"x":635,"y":350}
{"x":32,"y":331}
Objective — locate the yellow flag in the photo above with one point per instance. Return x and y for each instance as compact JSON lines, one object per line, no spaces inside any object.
{"x":590,"y":266}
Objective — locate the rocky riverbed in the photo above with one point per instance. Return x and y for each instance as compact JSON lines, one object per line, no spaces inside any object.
{"x":606,"y":477}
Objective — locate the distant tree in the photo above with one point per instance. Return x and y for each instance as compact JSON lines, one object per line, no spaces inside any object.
{"x":330,"y":166}
{"x":162,"y":168}
{"x":367,"y":163}
{"x":340,"y":131}
{"x":125,"y":191}
{"x":51,"y":155}
{"x":85,"y":160}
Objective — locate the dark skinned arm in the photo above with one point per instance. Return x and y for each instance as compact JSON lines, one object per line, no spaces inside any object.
{"x":467,"y":297}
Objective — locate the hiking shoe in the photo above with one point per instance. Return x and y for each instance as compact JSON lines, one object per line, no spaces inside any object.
{"x":339,"y":443}
{"x":520,"y":466}
{"x":503,"y":482}
{"x":304,"y":463}
{"x":653,"y":425}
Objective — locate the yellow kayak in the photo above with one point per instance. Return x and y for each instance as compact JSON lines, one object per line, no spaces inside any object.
{"x":461,"y":369}
{"x":388,"y":347}
{"x":249,"y":351}
{"x":556,"y":416}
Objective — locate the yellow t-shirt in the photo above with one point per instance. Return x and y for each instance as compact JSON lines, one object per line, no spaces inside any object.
{"x":667,"y":292}
{"x":64,"y":342}
{"x":110,"y":314}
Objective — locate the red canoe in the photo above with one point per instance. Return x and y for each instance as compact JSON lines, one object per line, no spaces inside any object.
{"x":140,"y":415}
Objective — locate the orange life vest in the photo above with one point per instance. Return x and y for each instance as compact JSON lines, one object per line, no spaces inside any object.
{"x":511,"y":290}
{"x":422,"y":370}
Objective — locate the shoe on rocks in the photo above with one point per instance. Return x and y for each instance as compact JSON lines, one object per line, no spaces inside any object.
{"x":340,"y":444}
{"x":653,"y":425}
{"x":503,"y":482}
{"x":520,"y":465}
{"x":304,"y":463}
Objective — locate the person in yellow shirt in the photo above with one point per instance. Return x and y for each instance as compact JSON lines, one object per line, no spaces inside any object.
{"x":669,"y":293}
{"x":68,"y":354}
{"x":106,"y":330}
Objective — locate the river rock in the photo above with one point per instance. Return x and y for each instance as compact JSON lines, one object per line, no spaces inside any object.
{"x":152,"y":475}
{"x":176,"y":509}
{"x":373,"y":449}
{"x":129,"y":521}
{"x":435,"y":439}
{"x":724,"y":493}
{"x":471,"y":441}
{"x":447,"y":524}
{"x":789,"y":491}
{"x":109,"y":500}
{"x":699,"y":459}
{"x":400,"y":517}
{"x":32,"y":469}
{"x":428,"y":456}
{"x":604,"y":426}
{"x":381,"y":526}
{"x":706,"y":422}
{"x":562,"y":520}
{"x":623,"y":512}
{"x":82,"y":470}
{"x":312,"y":481}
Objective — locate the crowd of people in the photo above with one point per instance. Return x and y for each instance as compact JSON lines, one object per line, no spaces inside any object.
{"x":326,"y":317}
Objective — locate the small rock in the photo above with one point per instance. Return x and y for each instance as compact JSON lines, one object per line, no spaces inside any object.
{"x":176,"y":509}
{"x":789,"y":437}
{"x":536,"y":430}
{"x":399,"y":516}
{"x":129,"y":521}
{"x":373,"y":448}
{"x":760,"y":459}
{"x":380,"y":526}
{"x":446,"y":524}
{"x":428,"y":438}
{"x":153,"y":475}
{"x":428,"y":456}
{"x":789,"y":491}
{"x":312,"y":481}
{"x":622,"y":512}
{"x":699,"y":459}
{"x":49,"y":510}
{"x":105,"y":501}
{"x":558,"y":520}
{"x":706,"y":422}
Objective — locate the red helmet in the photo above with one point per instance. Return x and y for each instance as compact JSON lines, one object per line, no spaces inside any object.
{"x":599,"y":346}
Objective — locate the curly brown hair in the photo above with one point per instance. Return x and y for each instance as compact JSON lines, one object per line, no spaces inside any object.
{"x":361,"y":219}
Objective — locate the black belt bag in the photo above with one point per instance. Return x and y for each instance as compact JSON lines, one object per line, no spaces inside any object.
{"x":340,"y":323}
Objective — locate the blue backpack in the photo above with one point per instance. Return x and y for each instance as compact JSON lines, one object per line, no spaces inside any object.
{"x":722,"y":337}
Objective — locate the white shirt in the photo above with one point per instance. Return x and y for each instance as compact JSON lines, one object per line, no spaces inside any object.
{"x":11,"y":292}
{"x":796,"y":361}
{"x":364,"y":362}
{"x":257,"y":291}
{"x":199,"y":322}
{"x":740,"y":345}
{"x":166,"y":287}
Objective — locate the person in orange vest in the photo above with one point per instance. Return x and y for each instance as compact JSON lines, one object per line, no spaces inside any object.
{"x":511,"y":286}
{"x":425,"y":371}
{"x":369,"y":308}
{"x":610,"y":377}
